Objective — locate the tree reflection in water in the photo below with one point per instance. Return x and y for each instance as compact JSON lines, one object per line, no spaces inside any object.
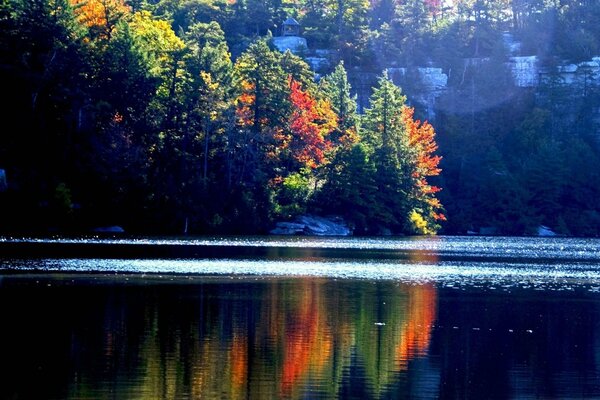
{"x":278,"y":339}
{"x":254,"y":338}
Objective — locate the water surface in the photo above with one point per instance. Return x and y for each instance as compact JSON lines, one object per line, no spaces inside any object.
{"x":388,"y":318}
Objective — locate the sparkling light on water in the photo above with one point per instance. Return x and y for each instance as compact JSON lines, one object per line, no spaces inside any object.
{"x":555,"y":263}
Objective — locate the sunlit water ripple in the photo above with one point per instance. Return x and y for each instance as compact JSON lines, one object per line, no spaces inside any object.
{"x":575,"y":248}
{"x":323,"y":318}
{"x":545,"y":263}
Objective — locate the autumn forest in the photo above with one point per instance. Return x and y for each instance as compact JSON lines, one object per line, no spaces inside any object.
{"x":172,"y":116}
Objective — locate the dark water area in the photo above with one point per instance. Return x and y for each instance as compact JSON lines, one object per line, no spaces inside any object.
{"x":409,"y":325}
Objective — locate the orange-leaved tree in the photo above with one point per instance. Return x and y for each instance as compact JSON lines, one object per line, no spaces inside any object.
{"x":100,"y":16}
{"x":427,"y":209}
{"x":303,"y":146}
{"x":310,"y":123}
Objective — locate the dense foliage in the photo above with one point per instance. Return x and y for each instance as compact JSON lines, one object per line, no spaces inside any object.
{"x":178,"y":115}
{"x":131,"y":123}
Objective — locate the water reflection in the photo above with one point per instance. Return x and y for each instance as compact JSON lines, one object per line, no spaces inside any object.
{"x":66,"y":336}
{"x":266,"y":339}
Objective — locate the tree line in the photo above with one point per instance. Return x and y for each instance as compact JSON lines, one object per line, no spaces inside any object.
{"x":116,"y":118}
{"x":151,"y":113}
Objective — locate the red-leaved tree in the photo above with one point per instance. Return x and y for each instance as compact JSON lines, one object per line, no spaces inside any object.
{"x":310,"y":124}
{"x":421,"y":139}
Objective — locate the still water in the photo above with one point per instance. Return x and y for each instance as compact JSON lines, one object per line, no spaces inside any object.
{"x":353,"y":318}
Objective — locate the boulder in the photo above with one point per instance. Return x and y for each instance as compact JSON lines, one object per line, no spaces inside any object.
{"x":545,"y":231}
{"x":313,"y":225}
{"x":288,"y":228}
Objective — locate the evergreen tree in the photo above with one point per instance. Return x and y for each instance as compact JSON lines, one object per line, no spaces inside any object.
{"x":350,"y":189}
{"x":384,"y":132}
{"x":263,"y":99}
{"x":336,"y":88}
{"x":296,"y":68}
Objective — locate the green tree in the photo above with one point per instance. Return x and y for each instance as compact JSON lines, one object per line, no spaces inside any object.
{"x":411,"y":22}
{"x":384,"y":131}
{"x":259,"y":74}
{"x":42,"y":69}
{"x":350,"y":188}
{"x":336,"y":88}
{"x":210,"y":93}
{"x":296,"y":68}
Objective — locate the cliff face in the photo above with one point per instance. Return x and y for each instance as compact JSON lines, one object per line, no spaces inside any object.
{"x":426,"y":86}
{"x":295,"y":44}
{"x":524,"y":70}
{"x":431,"y":83}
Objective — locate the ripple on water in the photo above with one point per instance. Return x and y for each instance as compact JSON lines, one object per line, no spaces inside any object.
{"x":503,"y":262}
{"x":494,"y":276}
{"x":575,"y":248}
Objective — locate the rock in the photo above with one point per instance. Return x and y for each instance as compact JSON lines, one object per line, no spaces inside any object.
{"x":325,"y":53}
{"x":3,"y":182}
{"x":545,"y":231}
{"x":525,"y":71}
{"x":513,"y":46}
{"x":295,"y":44}
{"x":288,"y":228}
{"x":432,"y":81}
{"x":320,"y":226}
{"x":318,"y":63}
{"x":109,"y":229}
{"x":313,"y":225}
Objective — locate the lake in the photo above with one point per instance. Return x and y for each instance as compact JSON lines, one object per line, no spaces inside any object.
{"x":262,"y":318}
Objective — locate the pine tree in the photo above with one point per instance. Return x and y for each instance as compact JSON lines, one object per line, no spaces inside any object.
{"x":384,"y":131}
{"x":336,"y":88}
{"x":263,"y":84}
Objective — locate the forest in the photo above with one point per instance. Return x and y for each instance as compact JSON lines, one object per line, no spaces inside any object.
{"x":173,"y":116}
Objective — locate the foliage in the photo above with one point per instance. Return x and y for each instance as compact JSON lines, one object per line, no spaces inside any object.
{"x":100,"y":16}
{"x":311,"y":122}
{"x":336,"y":88}
{"x":167,"y":115}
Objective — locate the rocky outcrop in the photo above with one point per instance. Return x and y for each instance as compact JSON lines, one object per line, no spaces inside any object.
{"x":525,"y":71}
{"x":511,"y":44}
{"x":295,"y":44}
{"x":545,"y":231}
{"x":318,"y":64}
{"x":313,"y":225}
{"x":584,"y":74}
{"x":432,"y":83}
